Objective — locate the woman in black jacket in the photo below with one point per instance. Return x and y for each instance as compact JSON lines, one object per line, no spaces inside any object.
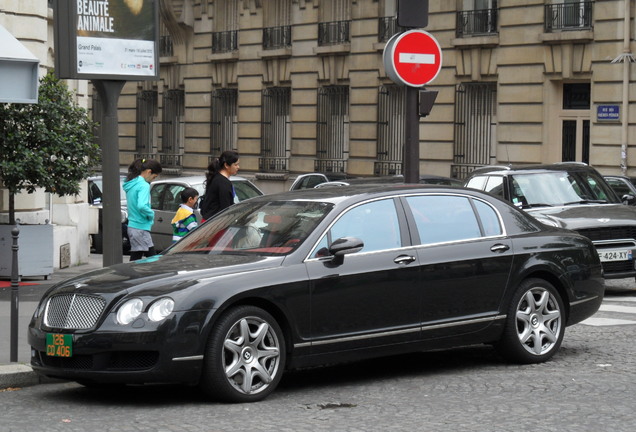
{"x":219,"y":192}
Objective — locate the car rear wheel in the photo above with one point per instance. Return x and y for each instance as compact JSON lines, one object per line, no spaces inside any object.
{"x":535,"y":324}
{"x":245,"y":356}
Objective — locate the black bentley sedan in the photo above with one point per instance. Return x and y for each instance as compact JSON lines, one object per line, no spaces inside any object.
{"x":323,"y":276}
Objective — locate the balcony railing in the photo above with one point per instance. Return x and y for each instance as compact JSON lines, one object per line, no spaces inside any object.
{"x":273,"y":164}
{"x":568,"y":16}
{"x":476,"y":22}
{"x":387,"y":168}
{"x":333,"y":33}
{"x":387,"y":27}
{"x":226,"y":41}
{"x":276,"y":37}
{"x":330,"y":165}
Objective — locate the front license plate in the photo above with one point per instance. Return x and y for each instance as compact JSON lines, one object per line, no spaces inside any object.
{"x":615,"y":255}
{"x":59,"y":345}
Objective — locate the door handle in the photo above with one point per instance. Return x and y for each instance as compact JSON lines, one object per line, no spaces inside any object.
{"x":159,"y":219}
{"x":404,"y":259}
{"x":500,"y":248}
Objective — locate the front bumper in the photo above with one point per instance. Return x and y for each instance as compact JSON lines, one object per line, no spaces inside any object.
{"x":143,"y":352}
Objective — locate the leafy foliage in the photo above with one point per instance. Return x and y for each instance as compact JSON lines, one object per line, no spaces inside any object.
{"x":46,"y":145}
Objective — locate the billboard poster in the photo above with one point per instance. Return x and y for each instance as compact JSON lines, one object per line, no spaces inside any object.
{"x":109,"y":39}
{"x":115,"y":37}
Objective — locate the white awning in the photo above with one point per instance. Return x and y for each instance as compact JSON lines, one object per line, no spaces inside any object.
{"x":18,"y":71}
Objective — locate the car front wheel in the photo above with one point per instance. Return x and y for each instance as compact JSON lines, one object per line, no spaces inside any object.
{"x":535,"y":323}
{"x":245,"y":356}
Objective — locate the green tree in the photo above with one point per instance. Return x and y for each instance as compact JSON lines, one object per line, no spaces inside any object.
{"x":46,"y":145}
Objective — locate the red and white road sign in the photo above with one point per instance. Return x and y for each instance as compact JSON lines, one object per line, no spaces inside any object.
{"x":412,"y":58}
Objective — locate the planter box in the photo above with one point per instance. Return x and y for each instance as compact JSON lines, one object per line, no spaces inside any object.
{"x":35,"y":250}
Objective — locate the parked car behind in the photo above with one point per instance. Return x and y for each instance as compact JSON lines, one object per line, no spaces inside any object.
{"x":314,"y":180}
{"x":624,"y":187}
{"x":573,"y":196}
{"x":317,"y":277}
{"x":165,"y":198}
{"x":95,"y":192}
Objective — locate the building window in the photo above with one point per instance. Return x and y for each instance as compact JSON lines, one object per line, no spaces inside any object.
{"x":475,"y":123}
{"x":225,"y":39}
{"x":147,"y":114}
{"x":172,"y":129}
{"x":576,"y":96}
{"x":391,"y":130}
{"x":333,"y":129}
{"x":335,"y":21}
{"x":568,"y":15}
{"x":277,"y":27}
{"x":275,"y":130}
{"x":478,"y":21}
{"x":223,"y":129}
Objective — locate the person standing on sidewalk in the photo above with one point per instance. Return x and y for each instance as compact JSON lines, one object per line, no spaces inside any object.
{"x":184,"y":219}
{"x":219,"y":192}
{"x":140,"y":215}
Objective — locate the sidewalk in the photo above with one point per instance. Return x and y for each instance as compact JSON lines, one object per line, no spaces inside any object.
{"x":20,"y":374}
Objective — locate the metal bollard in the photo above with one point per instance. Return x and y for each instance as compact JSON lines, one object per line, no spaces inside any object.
{"x":15,"y":283}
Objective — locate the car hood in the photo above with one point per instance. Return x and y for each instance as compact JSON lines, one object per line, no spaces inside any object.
{"x":163,"y":273}
{"x":586,"y":215}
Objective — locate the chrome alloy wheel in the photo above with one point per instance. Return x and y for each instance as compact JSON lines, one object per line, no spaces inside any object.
{"x":539,"y":321}
{"x":251,"y":355}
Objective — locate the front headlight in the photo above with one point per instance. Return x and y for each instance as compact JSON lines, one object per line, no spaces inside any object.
{"x":160,"y":309}
{"x":129,"y":311}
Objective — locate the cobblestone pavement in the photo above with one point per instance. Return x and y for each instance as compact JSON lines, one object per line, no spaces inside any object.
{"x":588,"y":386}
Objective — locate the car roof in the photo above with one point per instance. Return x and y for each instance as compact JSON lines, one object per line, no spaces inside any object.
{"x":193,"y":179}
{"x":360,"y":192}
{"x":561,"y":166}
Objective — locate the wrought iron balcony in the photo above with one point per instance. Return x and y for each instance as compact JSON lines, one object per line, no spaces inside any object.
{"x":333,"y":33}
{"x":226,"y":41}
{"x":476,"y":23}
{"x":330,"y":165}
{"x":387,"y":168}
{"x":273,"y":164}
{"x":276,"y":37}
{"x":387,"y":27}
{"x":568,"y":16}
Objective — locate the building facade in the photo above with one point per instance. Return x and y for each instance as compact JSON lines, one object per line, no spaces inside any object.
{"x":299,"y":85}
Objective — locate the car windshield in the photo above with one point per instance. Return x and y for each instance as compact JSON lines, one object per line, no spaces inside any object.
{"x":559,"y":188}
{"x":263,"y":228}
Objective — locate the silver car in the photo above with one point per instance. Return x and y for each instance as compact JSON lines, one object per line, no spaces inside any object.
{"x":165,"y":198}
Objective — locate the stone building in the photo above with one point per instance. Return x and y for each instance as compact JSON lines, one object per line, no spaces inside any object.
{"x":67,"y":219}
{"x":299,"y":85}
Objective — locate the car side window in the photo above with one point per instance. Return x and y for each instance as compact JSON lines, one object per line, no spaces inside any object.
{"x":375,"y":223}
{"x":489,"y":219}
{"x":477,"y":182}
{"x":444,"y":218}
{"x":155,"y":196}
{"x":172,"y":198}
{"x":619,"y":187}
{"x":495,"y":186}
{"x":243,"y":190}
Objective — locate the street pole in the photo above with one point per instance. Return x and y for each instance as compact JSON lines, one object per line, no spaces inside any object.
{"x":411,"y":160}
{"x":15,"y":283}
{"x":109,"y":91}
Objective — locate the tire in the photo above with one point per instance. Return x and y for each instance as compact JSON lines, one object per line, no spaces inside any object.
{"x":535,"y":323}
{"x":246,"y":342}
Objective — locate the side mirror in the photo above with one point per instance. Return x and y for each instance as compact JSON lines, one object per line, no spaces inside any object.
{"x":629,"y":199}
{"x":344,"y":246}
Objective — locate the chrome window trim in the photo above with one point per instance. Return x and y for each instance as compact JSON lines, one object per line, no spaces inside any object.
{"x":503,"y":235}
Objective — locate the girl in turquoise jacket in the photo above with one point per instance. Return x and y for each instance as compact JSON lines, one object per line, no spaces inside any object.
{"x":140,"y":215}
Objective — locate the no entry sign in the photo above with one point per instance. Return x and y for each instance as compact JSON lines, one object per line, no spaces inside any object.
{"x":412,"y":58}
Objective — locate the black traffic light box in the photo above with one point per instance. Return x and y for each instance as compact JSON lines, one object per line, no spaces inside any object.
{"x":412,"y":13}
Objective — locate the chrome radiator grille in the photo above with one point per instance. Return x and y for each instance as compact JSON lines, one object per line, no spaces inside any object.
{"x":73,"y":311}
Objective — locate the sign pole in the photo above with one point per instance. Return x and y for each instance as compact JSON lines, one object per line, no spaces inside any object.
{"x":109,"y":91}
{"x":411,"y":162}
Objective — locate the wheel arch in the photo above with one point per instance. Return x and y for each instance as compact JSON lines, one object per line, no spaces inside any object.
{"x":261,"y":303}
